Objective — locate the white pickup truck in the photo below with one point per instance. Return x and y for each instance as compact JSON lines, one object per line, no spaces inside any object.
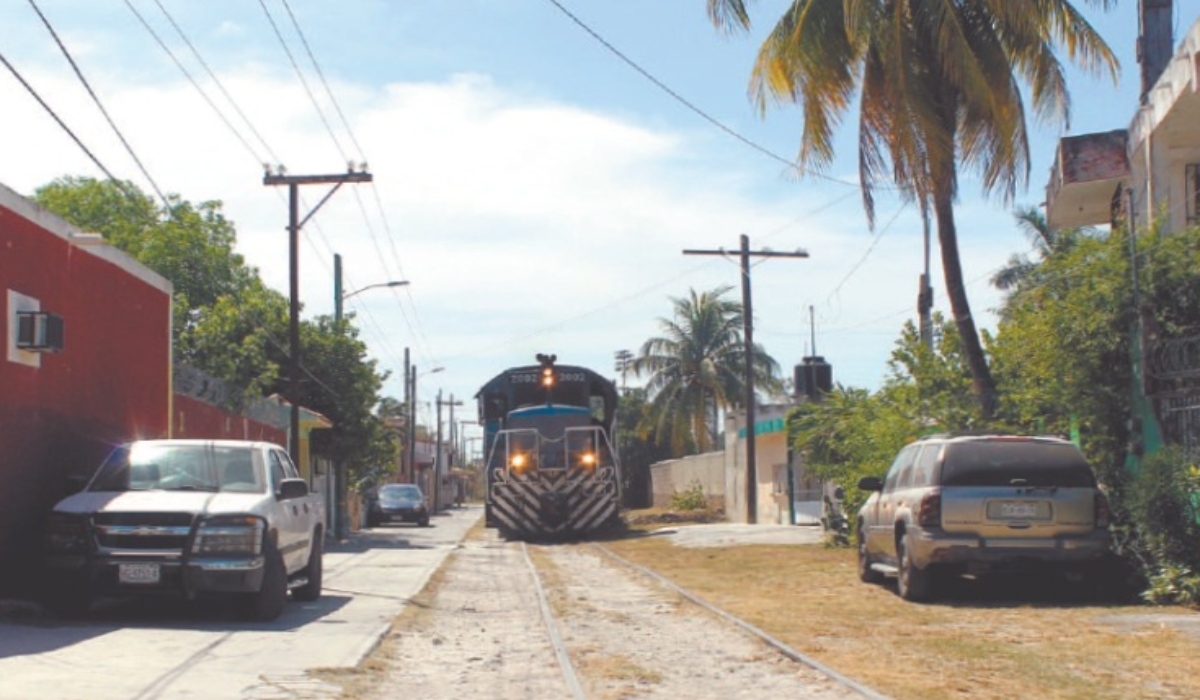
{"x":189,"y":518}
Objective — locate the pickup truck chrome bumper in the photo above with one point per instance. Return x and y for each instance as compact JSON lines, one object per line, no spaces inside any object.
{"x":102,"y":573}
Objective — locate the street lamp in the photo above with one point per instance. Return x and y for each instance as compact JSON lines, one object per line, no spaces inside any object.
{"x":339,"y":485}
{"x":411,"y":399}
{"x":393,"y":283}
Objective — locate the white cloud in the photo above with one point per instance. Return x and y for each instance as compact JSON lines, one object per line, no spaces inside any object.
{"x":523,"y":224}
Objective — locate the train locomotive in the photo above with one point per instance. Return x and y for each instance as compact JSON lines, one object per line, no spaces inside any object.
{"x":552,"y":472}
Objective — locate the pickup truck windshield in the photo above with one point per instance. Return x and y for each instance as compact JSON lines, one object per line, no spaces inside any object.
{"x":174,"y":467}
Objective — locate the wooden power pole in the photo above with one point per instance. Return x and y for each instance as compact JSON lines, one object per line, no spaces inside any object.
{"x":744,"y":254}
{"x":295,"y":223}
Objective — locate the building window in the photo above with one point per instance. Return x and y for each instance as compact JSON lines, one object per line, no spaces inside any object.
{"x":1192,"y":191}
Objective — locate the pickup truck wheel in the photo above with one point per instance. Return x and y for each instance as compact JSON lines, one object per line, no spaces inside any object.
{"x":313,"y":571}
{"x":267,"y":604}
{"x":913,"y":584}
{"x":423,"y":522}
{"x":865,"y":573}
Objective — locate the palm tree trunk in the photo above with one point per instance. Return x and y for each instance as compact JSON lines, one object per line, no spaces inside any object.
{"x":982,"y":384}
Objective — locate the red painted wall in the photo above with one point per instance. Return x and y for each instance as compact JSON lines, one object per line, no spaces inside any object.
{"x":110,"y":383}
{"x":195,"y":419}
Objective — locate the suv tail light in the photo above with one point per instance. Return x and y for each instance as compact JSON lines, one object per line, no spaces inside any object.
{"x":930,"y":514}
{"x":1103,"y":514}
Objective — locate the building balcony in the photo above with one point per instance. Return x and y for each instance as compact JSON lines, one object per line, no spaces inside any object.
{"x":1086,"y":173}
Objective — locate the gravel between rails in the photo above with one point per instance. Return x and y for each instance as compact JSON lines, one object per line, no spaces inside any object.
{"x":483,"y":636}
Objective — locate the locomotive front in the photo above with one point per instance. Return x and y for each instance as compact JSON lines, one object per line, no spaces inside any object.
{"x":551,"y":468}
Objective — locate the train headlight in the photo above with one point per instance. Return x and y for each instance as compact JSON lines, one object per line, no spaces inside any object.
{"x":547,"y":377}
{"x":520,"y":463}
{"x":588,"y":460}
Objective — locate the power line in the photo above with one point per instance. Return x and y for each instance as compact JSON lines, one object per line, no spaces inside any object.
{"x":690,"y":105}
{"x":99,"y":104}
{"x":217,"y":81}
{"x":321,"y":75}
{"x":304,"y":82}
{"x":221,"y":115}
{"x":17,"y":74}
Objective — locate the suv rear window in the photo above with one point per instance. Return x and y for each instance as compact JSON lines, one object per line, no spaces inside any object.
{"x":1027,"y":462}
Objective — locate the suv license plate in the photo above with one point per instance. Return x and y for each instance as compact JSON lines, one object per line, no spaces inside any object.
{"x":1019,"y":510}
{"x":138,"y":573}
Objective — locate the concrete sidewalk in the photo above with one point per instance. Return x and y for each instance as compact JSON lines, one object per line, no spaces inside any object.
{"x":171,"y":651}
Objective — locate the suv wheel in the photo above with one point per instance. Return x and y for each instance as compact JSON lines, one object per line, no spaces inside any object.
{"x":913,"y":584}
{"x":865,"y":573}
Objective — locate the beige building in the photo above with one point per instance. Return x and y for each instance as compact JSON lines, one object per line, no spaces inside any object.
{"x":722,"y":474}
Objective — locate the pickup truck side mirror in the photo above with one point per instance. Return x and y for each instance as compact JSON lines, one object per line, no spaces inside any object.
{"x":292,"y":488}
{"x":870,"y":483}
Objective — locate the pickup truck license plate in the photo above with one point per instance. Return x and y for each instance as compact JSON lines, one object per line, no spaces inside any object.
{"x":138,"y":573}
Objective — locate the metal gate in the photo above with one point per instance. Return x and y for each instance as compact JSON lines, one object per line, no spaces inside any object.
{"x":1175,"y":366}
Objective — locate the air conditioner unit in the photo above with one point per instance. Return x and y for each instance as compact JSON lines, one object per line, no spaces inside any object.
{"x":38,"y":331}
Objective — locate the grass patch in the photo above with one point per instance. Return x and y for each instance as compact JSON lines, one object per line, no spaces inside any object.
{"x":615,"y":667}
{"x":981,"y":642}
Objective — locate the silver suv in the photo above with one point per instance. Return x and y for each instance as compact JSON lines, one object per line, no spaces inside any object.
{"x":975,"y":504}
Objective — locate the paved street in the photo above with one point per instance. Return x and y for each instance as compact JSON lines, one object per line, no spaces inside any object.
{"x":164,"y":650}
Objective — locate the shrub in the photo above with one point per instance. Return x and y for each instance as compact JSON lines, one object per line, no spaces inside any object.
{"x":1165,"y":526}
{"x":692,"y":498}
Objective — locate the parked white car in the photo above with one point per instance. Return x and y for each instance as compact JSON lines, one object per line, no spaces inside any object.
{"x":189,"y":518}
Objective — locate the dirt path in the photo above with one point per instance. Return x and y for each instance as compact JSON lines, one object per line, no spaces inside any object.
{"x":483,"y":636}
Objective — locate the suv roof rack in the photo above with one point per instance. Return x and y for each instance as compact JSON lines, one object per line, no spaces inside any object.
{"x":965,"y":433}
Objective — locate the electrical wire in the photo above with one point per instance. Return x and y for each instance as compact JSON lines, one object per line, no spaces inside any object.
{"x":49,"y":110}
{"x":217,"y":81}
{"x":208,"y":100}
{"x":100,"y":105}
{"x":791,"y":165}
{"x":303,"y":81}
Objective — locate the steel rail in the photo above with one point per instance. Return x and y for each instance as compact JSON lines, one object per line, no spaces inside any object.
{"x":560,"y":649}
{"x":778,"y":645}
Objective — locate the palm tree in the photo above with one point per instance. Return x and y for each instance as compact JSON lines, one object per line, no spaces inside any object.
{"x":1046,"y":242}
{"x":695,"y":369}
{"x":937,"y":82}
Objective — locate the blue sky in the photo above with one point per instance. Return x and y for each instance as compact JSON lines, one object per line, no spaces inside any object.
{"x":535,"y":190}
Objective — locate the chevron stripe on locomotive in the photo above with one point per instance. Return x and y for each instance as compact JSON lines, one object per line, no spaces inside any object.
{"x":551,"y":469}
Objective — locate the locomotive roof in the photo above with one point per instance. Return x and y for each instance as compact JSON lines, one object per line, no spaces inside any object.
{"x":501,"y":380}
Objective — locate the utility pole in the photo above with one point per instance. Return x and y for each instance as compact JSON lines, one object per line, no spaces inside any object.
{"x":744,"y":253}
{"x":437,"y":452}
{"x":412,"y":417}
{"x":925,"y":293}
{"x":295,"y":223}
{"x":406,"y":454}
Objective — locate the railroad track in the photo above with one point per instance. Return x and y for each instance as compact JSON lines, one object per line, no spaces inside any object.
{"x":593,"y":584}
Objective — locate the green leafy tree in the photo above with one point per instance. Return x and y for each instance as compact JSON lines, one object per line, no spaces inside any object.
{"x":342,"y":384}
{"x":937,"y":84}
{"x":852,"y":433}
{"x":697,"y":368}
{"x":190,"y":244}
{"x":227,"y":322}
{"x":636,"y":446}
